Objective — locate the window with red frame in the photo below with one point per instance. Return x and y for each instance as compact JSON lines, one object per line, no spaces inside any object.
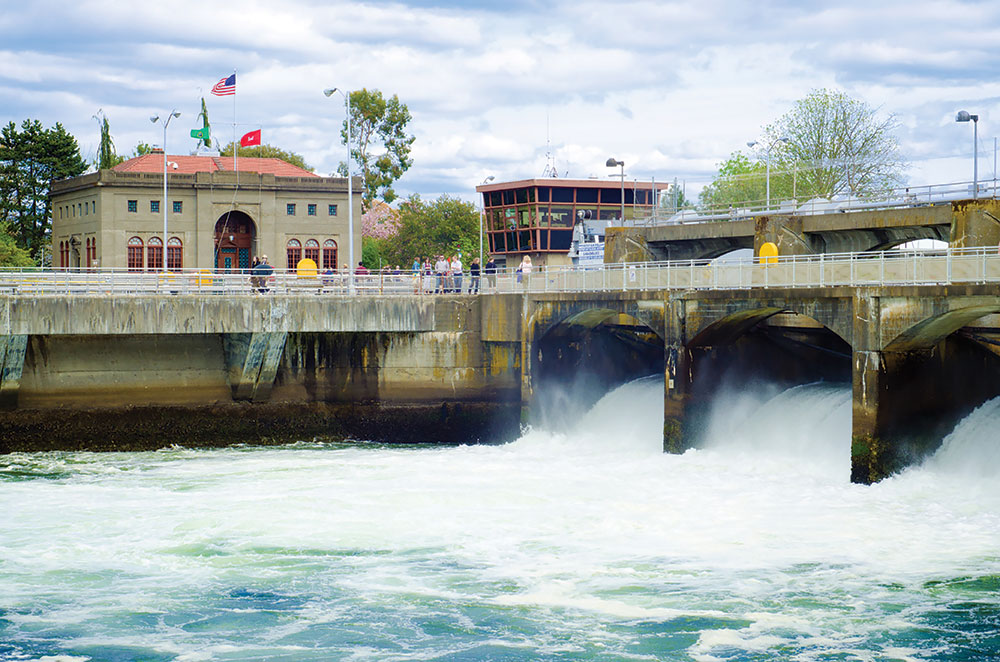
{"x":293,"y":253}
{"x":175,"y":254}
{"x":312,"y":250}
{"x":154,"y":254}
{"x":135,"y":254}
{"x":330,"y":255}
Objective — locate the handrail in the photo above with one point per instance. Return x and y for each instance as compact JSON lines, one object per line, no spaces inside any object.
{"x":895,"y":198}
{"x":897,"y":267}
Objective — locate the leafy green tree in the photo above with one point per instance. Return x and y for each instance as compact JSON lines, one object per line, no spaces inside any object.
{"x":835,"y":145}
{"x":269,"y":152}
{"x":446,"y":226}
{"x":379,"y":143}
{"x":673,"y":199}
{"x":740,"y":183}
{"x":30,"y":159}
{"x":372,"y":250}
{"x":141,"y":149}
{"x":12,"y":255}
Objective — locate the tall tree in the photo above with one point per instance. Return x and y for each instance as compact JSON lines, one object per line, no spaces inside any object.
{"x":836,"y":145}
{"x":12,"y":255}
{"x":444,"y":227}
{"x":106,"y":156}
{"x":269,"y":152}
{"x":30,"y":159}
{"x":740,"y":183}
{"x":379,"y":143}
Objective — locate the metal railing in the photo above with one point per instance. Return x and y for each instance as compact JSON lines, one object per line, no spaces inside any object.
{"x":898,"y":267}
{"x":896,"y":198}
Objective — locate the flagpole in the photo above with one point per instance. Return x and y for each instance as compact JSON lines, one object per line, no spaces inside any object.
{"x":236,"y":145}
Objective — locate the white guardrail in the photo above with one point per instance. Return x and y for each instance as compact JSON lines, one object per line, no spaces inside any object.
{"x":896,"y":198}
{"x":897,"y":267}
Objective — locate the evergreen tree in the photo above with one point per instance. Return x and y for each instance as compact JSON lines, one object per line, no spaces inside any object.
{"x":30,"y":159}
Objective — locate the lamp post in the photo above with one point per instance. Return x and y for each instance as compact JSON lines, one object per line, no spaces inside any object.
{"x":166,"y":122}
{"x":350,"y":192}
{"x":767,"y":161}
{"x":963,"y":116}
{"x":482,"y":213}
{"x":611,"y":164}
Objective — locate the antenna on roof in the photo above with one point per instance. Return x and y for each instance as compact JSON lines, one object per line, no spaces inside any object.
{"x":550,"y":161}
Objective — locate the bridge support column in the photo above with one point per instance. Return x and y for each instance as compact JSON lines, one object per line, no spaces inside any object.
{"x":677,"y":375}
{"x":677,"y":387}
{"x":253,"y":362}
{"x":12,"y":349}
{"x":870,"y":454}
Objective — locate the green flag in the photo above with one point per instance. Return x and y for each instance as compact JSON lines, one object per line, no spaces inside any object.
{"x":200,"y":134}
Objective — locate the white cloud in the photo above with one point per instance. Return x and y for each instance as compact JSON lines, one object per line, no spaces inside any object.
{"x":670,"y":87}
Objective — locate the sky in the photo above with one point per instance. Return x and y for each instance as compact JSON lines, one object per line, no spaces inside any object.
{"x":500,"y":88}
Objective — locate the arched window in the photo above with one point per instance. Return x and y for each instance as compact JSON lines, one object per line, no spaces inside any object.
{"x":135,"y":254}
{"x":89,"y":259}
{"x":312,"y":251}
{"x":175,"y":254}
{"x":329,"y":254}
{"x":293,"y":253}
{"x":93,"y":252}
{"x":154,"y":254}
{"x":62,"y":253}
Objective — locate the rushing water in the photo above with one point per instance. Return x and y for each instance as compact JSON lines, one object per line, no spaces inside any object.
{"x":584,"y":544}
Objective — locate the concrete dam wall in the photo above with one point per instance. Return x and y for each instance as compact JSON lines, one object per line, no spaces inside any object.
{"x":232,"y":372}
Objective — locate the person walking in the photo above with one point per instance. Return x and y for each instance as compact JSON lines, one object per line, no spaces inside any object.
{"x":456,"y":273}
{"x":474,"y":276}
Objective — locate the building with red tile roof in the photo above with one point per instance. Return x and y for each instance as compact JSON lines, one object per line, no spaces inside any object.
{"x":188,"y":165}
{"x":212,"y":217}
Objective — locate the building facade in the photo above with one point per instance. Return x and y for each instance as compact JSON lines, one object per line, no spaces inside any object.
{"x":216,"y":217}
{"x":543,"y":217}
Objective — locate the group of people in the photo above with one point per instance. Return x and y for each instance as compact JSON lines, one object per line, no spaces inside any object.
{"x":447,"y":275}
{"x":443,"y":276}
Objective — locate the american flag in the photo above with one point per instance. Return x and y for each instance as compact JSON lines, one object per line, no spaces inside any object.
{"x":225,"y":86}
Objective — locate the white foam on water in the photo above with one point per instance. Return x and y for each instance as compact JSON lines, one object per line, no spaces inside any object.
{"x":972,"y":449}
{"x":580,"y":532}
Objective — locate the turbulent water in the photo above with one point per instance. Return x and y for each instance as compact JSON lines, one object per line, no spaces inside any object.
{"x":583,"y":544}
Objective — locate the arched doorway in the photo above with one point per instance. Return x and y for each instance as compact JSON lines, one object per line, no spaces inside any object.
{"x":234,"y":240}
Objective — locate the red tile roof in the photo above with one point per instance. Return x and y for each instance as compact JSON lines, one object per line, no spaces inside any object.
{"x":188,"y":165}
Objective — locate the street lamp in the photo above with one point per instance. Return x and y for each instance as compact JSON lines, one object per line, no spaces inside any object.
{"x":481,"y":215}
{"x":963,"y":116}
{"x":767,"y":159}
{"x":611,"y":164}
{"x":350,"y":192}
{"x":166,"y":122}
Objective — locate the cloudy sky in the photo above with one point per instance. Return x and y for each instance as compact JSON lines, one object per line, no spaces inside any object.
{"x":671,"y":88}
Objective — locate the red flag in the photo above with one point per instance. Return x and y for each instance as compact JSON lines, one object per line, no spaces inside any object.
{"x":250,"y":139}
